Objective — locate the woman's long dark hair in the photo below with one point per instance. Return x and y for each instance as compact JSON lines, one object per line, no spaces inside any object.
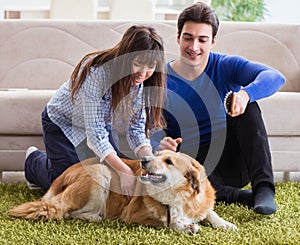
{"x":141,"y":43}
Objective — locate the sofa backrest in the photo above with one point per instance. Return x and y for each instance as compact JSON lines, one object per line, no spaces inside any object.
{"x":276,"y":45}
{"x":41,"y":54}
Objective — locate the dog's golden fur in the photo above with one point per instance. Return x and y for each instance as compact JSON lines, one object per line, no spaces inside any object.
{"x":172,"y":190}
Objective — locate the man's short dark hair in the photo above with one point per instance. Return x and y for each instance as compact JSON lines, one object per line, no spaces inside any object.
{"x":200,"y":13}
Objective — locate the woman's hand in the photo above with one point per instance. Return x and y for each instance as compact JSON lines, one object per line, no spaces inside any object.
{"x":128,"y":181}
{"x":144,"y":151}
{"x":127,"y":177}
{"x":167,"y":143}
{"x":239,"y":103}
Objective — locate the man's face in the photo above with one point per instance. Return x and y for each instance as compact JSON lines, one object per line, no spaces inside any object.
{"x":195,"y":43}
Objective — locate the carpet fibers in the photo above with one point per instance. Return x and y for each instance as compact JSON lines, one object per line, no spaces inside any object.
{"x":283,"y":227}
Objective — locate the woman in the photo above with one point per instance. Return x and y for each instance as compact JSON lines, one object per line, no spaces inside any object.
{"x":119,"y":86}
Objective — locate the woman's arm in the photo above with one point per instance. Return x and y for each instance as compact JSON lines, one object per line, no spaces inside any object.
{"x":135,"y":133}
{"x":97,"y":112}
{"x":96,"y":100}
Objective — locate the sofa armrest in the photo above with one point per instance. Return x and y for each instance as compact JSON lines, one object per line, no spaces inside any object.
{"x":21,"y":111}
{"x":281,"y":113}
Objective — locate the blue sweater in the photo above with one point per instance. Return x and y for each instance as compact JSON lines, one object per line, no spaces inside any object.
{"x":194,"y":109}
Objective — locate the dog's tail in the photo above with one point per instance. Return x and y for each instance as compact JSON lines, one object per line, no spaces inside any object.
{"x":38,"y":210}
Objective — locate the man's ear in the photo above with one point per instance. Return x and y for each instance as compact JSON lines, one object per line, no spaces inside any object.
{"x":178,"y":37}
{"x":213,"y":42}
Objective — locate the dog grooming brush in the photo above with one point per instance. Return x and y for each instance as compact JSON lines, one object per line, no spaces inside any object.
{"x":228,"y":101}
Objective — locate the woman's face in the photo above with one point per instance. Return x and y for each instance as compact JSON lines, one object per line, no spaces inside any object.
{"x":141,"y":71}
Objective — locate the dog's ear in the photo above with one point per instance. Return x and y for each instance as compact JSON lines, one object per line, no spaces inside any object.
{"x":196,"y":175}
{"x":193,"y":177}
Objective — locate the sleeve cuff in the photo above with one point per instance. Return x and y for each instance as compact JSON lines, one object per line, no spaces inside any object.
{"x":136,"y":150}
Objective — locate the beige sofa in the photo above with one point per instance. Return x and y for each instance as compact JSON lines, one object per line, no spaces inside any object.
{"x":38,"y":56}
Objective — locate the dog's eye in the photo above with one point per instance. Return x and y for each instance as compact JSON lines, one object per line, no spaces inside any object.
{"x":168,"y":161}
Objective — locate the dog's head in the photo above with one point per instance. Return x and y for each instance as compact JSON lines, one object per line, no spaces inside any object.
{"x":172,"y":170}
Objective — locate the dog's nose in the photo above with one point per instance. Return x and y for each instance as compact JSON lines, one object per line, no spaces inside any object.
{"x":145,"y":160}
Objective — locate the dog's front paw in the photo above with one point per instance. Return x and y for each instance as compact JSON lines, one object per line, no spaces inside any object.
{"x":191,"y":229}
{"x":227,"y":225}
{"x":186,"y":227}
{"x":217,"y":221}
{"x":221,"y":223}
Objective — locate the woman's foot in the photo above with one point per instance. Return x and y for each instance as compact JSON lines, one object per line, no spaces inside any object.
{"x":30,"y":150}
{"x":30,"y":185}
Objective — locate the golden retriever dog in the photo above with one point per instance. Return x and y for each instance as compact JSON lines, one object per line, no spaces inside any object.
{"x":172,"y":190}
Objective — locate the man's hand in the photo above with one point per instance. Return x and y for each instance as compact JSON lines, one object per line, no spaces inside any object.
{"x":239,"y":103}
{"x":167,"y":143}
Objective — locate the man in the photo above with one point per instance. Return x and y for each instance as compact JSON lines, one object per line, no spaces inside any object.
{"x":233,"y":146}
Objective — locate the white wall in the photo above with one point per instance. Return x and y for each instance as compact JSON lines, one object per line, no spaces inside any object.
{"x":283,"y":11}
{"x":23,"y":5}
{"x":280,"y":11}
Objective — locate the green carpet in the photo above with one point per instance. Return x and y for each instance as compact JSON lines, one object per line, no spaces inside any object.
{"x":280,"y":228}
